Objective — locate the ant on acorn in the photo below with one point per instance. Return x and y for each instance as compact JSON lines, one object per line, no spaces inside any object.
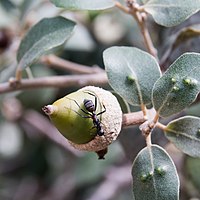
{"x":91,"y":113}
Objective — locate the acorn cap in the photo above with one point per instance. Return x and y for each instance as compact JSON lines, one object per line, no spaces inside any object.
{"x":71,"y":118}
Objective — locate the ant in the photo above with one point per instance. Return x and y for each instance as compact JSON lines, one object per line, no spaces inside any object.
{"x":91,"y":113}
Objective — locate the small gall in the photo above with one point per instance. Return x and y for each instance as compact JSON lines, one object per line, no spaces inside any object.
{"x":161,"y":170}
{"x":131,"y":78}
{"x":175,"y":88}
{"x":198,"y":132}
{"x":173,"y":80}
{"x":146,"y":177}
{"x":187,"y":81}
{"x":190,"y":81}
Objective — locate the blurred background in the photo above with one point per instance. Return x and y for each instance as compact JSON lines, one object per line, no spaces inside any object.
{"x":37,"y":164}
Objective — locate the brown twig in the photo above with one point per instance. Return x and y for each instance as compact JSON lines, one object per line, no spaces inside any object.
{"x":55,"y":61}
{"x":147,"y":38}
{"x":134,"y":118}
{"x":56,"y":81}
{"x":140,"y":16}
{"x":161,"y":126}
{"x":43,"y":125}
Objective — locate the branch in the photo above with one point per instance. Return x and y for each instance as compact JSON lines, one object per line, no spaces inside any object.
{"x":161,"y":126}
{"x":139,"y":15}
{"x":147,"y":38}
{"x":55,"y":61}
{"x":44,"y":127}
{"x":134,"y":118}
{"x":68,"y":81}
{"x":55,"y":81}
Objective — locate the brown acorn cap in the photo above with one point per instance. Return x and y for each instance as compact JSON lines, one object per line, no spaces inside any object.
{"x":111,"y":120}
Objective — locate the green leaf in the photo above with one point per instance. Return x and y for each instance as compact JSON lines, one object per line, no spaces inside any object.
{"x":84,"y":4}
{"x":179,"y":86}
{"x":185,"y":134}
{"x":170,"y":12}
{"x":179,"y":38}
{"x":192,"y":166}
{"x":122,"y":102}
{"x":154,"y":175}
{"x":8,"y":14}
{"x":43,"y":37}
{"x":193,"y":110}
{"x":185,"y":34}
{"x":131,"y":73}
{"x":37,"y":98}
{"x":8,"y":5}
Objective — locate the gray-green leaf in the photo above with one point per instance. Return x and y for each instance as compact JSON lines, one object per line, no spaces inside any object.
{"x":179,"y":86}
{"x":84,"y":4}
{"x":154,"y":175}
{"x":131,"y":73}
{"x":185,"y":134}
{"x":8,"y":5}
{"x":43,"y":37}
{"x":192,"y":166}
{"x":179,"y":38}
{"x":26,"y":6}
{"x":171,"y":12}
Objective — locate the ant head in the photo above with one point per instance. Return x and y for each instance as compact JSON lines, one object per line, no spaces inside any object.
{"x":85,"y":100}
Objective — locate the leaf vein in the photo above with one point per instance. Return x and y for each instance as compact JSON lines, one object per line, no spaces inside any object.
{"x":136,"y":82}
{"x":183,"y":134}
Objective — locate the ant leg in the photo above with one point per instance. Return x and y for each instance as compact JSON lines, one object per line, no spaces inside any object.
{"x":90,"y":93}
{"x":79,"y":107}
{"x":102,"y":111}
{"x":83,"y":116}
{"x":96,"y":104}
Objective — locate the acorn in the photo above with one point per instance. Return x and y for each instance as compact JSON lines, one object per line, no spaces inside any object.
{"x":90,"y":118}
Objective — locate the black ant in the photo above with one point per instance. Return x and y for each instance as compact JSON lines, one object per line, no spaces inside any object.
{"x":91,"y":108}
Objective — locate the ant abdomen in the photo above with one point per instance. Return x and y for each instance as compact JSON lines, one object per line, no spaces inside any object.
{"x":89,"y":105}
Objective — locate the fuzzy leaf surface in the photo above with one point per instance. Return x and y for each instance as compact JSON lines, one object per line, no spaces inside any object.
{"x":43,"y":37}
{"x":154,"y":175}
{"x":179,"y":85}
{"x":84,"y":4}
{"x":179,"y":38}
{"x":185,"y":134}
{"x":169,"y":12}
{"x":131,"y":73}
{"x":192,"y":166}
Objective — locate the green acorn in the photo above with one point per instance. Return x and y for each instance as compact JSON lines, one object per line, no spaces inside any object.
{"x":76,"y":123}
